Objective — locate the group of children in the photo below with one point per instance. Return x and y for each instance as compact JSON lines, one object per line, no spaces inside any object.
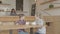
{"x":41,"y":30}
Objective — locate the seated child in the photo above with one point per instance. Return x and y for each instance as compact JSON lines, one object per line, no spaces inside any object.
{"x":42,"y":29}
{"x":21,"y":22}
{"x":13,"y":12}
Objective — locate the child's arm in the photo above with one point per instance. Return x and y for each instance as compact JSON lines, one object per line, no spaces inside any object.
{"x":16,"y":22}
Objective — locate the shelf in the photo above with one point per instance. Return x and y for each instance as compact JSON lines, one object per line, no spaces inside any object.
{"x":4,"y":4}
{"x":52,"y":8}
{"x":47,"y":2}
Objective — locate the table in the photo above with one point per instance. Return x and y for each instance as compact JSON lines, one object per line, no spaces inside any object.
{"x":11,"y":27}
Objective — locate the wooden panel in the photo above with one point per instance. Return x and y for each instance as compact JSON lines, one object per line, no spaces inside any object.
{"x":15,"y":18}
{"x":15,"y":32}
{"x":4,"y":32}
{"x":48,"y":18}
{"x":54,"y":28}
{"x":50,"y":29}
{"x":57,"y":24}
{"x":9,"y":18}
{"x":41,"y":2}
{"x":30,"y":18}
{"x":48,"y":1}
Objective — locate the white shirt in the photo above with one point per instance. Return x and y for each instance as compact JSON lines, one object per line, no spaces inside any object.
{"x":42,"y":30}
{"x":41,"y":22}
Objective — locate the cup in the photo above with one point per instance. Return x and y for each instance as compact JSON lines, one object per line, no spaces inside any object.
{"x":27,"y":23}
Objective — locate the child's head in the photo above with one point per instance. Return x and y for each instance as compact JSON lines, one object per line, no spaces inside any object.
{"x":22,"y":17}
{"x":13,"y":10}
{"x":36,"y":17}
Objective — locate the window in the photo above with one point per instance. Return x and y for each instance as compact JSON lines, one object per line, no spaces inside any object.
{"x":19,"y":5}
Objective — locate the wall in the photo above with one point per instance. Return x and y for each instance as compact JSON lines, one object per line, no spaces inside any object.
{"x":27,"y":4}
{"x":26,"y":7}
{"x":7,"y":7}
{"x":11,"y":2}
{"x":52,"y":12}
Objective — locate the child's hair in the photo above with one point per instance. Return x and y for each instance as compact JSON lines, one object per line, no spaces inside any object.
{"x":12,"y":10}
{"x":21,"y":15}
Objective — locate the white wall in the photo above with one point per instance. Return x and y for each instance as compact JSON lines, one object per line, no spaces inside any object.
{"x":52,"y":12}
{"x":5,"y":7}
{"x":27,"y":4}
{"x":26,"y":7}
{"x":11,"y":2}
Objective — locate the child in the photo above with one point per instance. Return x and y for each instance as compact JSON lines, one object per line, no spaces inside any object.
{"x":21,"y":22}
{"x":13,"y":12}
{"x":42,"y":29}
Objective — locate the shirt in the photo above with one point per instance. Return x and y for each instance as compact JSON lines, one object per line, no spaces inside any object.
{"x":21,"y":22}
{"x":13,"y":14}
{"x":41,"y":22}
{"x":42,"y":30}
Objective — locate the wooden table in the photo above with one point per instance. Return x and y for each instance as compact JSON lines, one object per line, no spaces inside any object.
{"x":12,"y":27}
